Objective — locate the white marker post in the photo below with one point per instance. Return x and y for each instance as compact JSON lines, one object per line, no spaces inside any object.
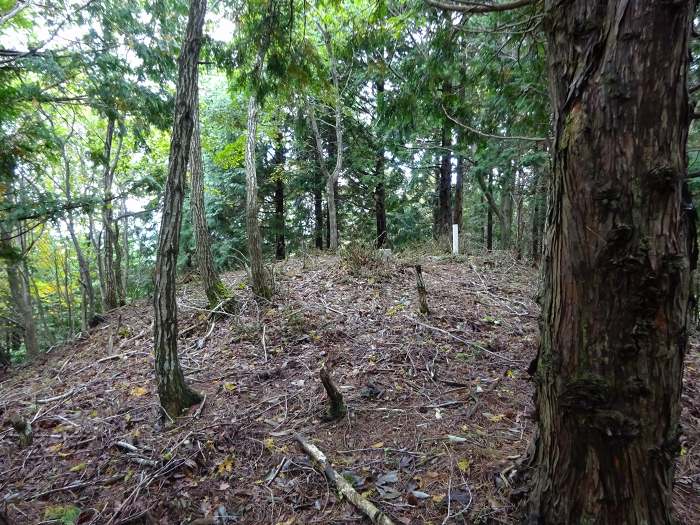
{"x":455,"y":239}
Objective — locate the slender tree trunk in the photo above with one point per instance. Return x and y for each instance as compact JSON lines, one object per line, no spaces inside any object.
{"x":125,"y":251}
{"x":379,"y":189}
{"x":459,"y":194}
{"x":88,"y":293}
{"x":97,"y":248}
{"x":22,"y":302}
{"x":59,"y":293}
{"x":380,"y":206}
{"x":67,"y":291}
{"x":111,"y":293}
{"x":318,"y":215}
{"x":328,"y":228}
{"x":536,"y":219}
{"x":118,"y":261}
{"x":616,"y":266}
{"x":258,"y":276}
{"x":488,"y":193}
{"x":332,"y":177}
{"x":443,"y":215}
{"x":505,"y":217}
{"x":175,"y":396}
{"x":214,"y":288}
{"x":48,"y":333}
{"x":279,"y":222}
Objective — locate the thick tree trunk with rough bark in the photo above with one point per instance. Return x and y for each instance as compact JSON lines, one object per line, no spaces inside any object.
{"x":616,"y":264}
{"x":213,"y":286}
{"x":258,"y":275}
{"x":175,"y":395}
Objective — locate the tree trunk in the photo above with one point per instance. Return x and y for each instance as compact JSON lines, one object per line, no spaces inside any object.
{"x":67,"y":290}
{"x":175,"y":395}
{"x":280,"y":248}
{"x":318,"y":215}
{"x":487,"y":190}
{"x":379,"y":190}
{"x":259,"y":280}
{"x":213,"y":286}
{"x":505,"y":217}
{"x":459,"y":194}
{"x":380,"y":207}
{"x":537,"y":214}
{"x":97,"y":248}
{"x":125,"y":251}
{"x":443,"y":214}
{"x":88,"y":293}
{"x":332,"y":177}
{"x":111,"y":288}
{"x":22,"y":302}
{"x":118,"y":261}
{"x":617,"y":264}
{"x":48,"y":333}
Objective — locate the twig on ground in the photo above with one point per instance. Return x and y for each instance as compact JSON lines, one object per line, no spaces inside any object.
{"x":360,"y":502}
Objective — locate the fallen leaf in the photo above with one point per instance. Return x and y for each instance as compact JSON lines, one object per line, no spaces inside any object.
{"x":389,"y":477}
{"x":225,"y":466}
{"x":138,"y":391}
{"x":79,"y":467}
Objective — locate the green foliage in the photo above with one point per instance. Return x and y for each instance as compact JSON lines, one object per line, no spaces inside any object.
{"x":66,"y":515}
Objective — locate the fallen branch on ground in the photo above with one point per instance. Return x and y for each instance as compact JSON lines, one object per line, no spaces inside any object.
{"x":464,"y":341}
{"x":345,"y":489}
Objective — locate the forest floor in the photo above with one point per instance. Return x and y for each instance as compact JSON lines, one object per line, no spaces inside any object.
{"x":438,"y":405}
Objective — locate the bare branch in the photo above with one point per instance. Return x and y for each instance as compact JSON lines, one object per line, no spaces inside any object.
{"x":478,"y":7}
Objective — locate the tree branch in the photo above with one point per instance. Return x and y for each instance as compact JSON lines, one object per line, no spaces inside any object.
{"x":478,"y":7}
{"x":491,"y":136}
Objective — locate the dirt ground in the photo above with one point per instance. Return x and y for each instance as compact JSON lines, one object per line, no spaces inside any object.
{"x":438,"y":405}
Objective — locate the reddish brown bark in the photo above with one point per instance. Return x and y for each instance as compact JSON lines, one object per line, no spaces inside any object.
{"x":616,"y":264}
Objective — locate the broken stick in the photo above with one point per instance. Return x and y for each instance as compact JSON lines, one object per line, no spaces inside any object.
{"x":344,"y":488}
{"x":337,"y":408}
{"x":24,"y":430}
{"x":422,"y":293}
